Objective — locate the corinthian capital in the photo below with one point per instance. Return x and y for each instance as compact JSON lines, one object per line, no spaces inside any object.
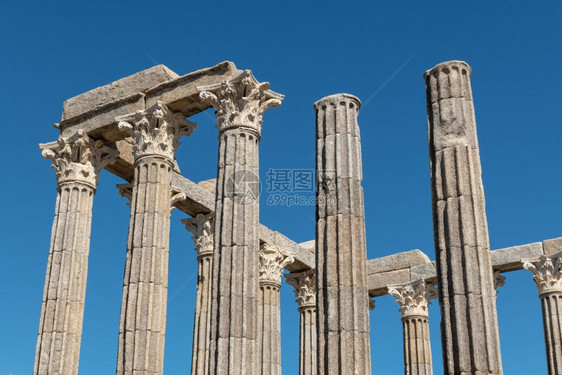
{"x":241,"y":101}
{"x":155,"y":130}
{"x":78,"y":158}
{"x":272,"y":263}
{"x":413,"y":298}
{"x":305,"y":287}
{"x":202,"y":228}
{"x":547,"y":274}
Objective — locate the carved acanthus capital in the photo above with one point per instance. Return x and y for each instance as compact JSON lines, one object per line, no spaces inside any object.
{"x":155,"y":130}
{"x":547,"y":274}
{"x":372,"y":303}
{"x":78,"y":158}
{"x":240,"y":101}
{"x":202,"y":227}
{"x":305,"y":287}
{"x":272,"y":262}
{"x":413,"y":298}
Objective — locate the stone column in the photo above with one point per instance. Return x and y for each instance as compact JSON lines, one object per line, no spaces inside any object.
{"x":240,"y":104}
{"x":77,"y":161}
{"x":272,"y":263}
{"x":464,"y":269}
{"x":547,"y":273}
{"x":414,"y":299}
{"x":305,"y":291}
{"x":155,"y":134}
{"x":341,"y":257}
{"x":202,"y":228}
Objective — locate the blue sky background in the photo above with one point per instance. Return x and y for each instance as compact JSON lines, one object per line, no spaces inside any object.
{"x":50,"y":51}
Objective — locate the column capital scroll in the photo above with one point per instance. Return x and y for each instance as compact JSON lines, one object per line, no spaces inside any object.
{"x":202,"y":227}
{"x":413,"y":298}
{"x":272,"y":262}
{"x":78,"y":158}
{"x":240,"y":101}
{"x":155,"y":130}
{"x":547,"y":273}
{"x":305,"y":287}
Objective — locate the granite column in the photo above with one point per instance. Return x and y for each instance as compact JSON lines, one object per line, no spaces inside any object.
{"x":155,"y":134}
{"x":305,"y":290}
{"x":341,"y":257}
{"x":469,"y":325}
{"x":272,"y":263}
{"x":547,"y":273}
{"x":202,"y":228}
{"x":77,"y":161}
{"x":414,"y":299}
{"x":240,"y":104}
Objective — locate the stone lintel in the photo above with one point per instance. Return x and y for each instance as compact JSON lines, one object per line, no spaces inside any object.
{"x":95,"y":111}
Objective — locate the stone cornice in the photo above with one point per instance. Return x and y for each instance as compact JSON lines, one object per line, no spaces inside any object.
{"x":413,"y":298}
{"x":547,"y":273}
{"x":202,"y":227}
{"x":305,"y":287}
{"x":78,"y":158}
{"x":155,"y":130}
{"x":240,"y":101}
{"x":272,"y":262}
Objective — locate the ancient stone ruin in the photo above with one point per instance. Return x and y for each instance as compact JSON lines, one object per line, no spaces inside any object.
{"x":132,"y":128}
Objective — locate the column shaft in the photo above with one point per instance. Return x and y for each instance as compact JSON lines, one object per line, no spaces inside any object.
{"x":552,"y":321}
{"x":155,"y":132}
{"x":202,"y":228}
{"x":414,"y":299}
{"x":305,"y":291}
{"x":272,"y":263}
{"x":77,"y":161}
{"x":417,"y":346}
{"x":547,"y":273}
{"x":465,"y":277}
{"x":343,"y":311}
{"x":239,"y":104}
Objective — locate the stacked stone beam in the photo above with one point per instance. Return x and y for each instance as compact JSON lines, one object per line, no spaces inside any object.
{"x":341,"y":258}
{"x":547,"y":273}
{"x":305,"y":291}
{"x":240,"y":104}
{"x":414,"y":299}
{"x":272,"y":263}
{"x":464,"y":269}
{"x":77,"y":161}
{"x":202,"y":228}
{"x":155,"y":134}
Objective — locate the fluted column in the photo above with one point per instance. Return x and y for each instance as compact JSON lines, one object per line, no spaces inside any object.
{"x":414,"y":299}
{"x":341,"y":258}
{"x":464,"y":269}
{"x":240,"y":104}
{"x":547,"y":273}
{"x":77,"y":161}
{"x":202,"y":228}
{"x":155,"y":134}
{"x":272,"y":263}
{"x":305,"y":291}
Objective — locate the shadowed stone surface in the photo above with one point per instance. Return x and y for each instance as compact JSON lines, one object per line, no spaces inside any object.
{"x":464,"y":268}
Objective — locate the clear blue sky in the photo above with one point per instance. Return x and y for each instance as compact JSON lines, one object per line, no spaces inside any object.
{"x":50,"y":51}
